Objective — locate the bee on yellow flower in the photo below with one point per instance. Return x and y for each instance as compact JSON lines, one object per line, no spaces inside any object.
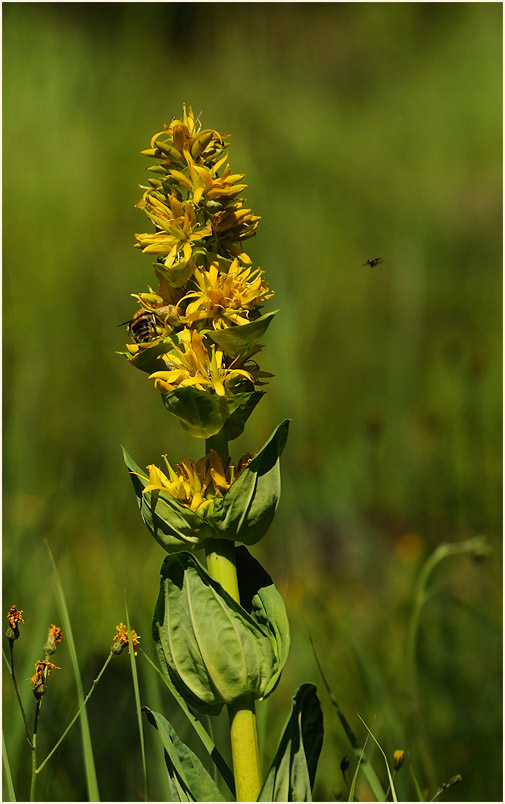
{"x":122,"y":639}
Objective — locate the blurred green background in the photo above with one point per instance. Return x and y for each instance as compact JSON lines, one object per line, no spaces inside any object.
{"x":365,"y":130}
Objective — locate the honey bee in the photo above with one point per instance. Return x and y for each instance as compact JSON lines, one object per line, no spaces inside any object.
{"x":147,"y":325}
{"x":373,"y":262}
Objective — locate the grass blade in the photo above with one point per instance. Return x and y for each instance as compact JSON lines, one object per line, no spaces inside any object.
{"x":416,"y":783}
{"x":355,"y":775}
{"x":138,"y":705}
{"x":368,"y":770}
{"x":7,"y":771}
{"x":391,"y":785}
{"x":87,"y":749}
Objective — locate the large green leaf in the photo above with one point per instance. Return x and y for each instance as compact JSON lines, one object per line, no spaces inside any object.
{"x":213,"y":649}
{"x":190,"y":780}
{"x":260,"y":598}
{"x":202,"y":414}
{"x":250,"y":503}
{"x":174,"y":526}
{"x":293,"y":769}
{"x":239,"y":339}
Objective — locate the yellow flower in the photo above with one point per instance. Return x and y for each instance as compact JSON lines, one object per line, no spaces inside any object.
{"x":398,"y":758}
{"x":178,"y":231}
{"x":233,"y":224}
{"x":203,"y":182}
{"x":226,"y":298}
{"x":184,"y":138}
{"x":122,"y":638}
{"x":15,"y":616}
{"x":192,"y":365}
{"x":196,"y":485}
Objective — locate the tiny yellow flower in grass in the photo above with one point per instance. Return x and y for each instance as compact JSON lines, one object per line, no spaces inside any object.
{"x":398,"y":758}
{"x":14,"y":617}
{"x":43,"y":670}
{"x":196,"y":485}
{"x":122,"y":639}
{"x":54,"y":637}
{"x":193,"y":365}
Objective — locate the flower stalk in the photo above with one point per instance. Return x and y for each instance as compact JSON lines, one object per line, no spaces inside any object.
{"x":221,"y":564}
{"x":220,"y":629}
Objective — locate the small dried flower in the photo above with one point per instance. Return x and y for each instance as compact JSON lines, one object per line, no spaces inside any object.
{"x":40,"y":675}
{"x":14,"y":617}
{"x":54,"y":637}
{"x":122,"y":639}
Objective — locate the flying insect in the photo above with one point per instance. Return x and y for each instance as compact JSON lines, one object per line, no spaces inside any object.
{"x":373,"y":262}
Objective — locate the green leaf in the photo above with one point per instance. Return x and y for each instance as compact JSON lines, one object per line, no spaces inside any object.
{"x":213,"y":649}
{"x":148,"y":356}
{"x":174,"y":526}
{"x":202,"y":414}
{"x":293,"y":769}
{"x":207,"y":741}
{"x":238,"y":339}
{"x":187,"y":774}
{"x":260,"y":598}
{"x":235,"y":423}
{"x":250,"y":503}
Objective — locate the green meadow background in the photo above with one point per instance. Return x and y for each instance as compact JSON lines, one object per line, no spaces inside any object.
{"x":365,"y":130}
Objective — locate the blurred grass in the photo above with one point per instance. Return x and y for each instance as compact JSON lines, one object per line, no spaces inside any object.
{"x":365,"y":130}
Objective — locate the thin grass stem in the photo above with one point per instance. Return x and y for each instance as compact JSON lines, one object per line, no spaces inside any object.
{"x":18,"y":696}
{"x":85,"y":701}
{"x":87,"y":748}
{"x":34,"y":749}
{"x":137,"y":698}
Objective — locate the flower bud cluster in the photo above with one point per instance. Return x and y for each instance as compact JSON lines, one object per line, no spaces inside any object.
{"x":207,"y":284}
{"x":43,"y":667}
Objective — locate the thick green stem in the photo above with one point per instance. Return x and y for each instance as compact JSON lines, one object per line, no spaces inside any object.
{"x":243,"y":731}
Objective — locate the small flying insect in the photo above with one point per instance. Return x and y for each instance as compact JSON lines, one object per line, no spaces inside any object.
{"x":373,"y":262}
